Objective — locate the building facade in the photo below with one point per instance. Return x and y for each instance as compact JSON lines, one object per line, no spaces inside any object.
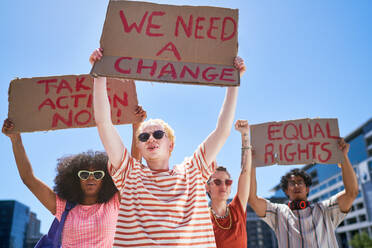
{"x":33,"y":231}
{"x":19,"y":228}
{"x":327,"y":181}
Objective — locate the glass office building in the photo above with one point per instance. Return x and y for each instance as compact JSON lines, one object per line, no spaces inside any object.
{"x":14,"y":218}
{"x":327,"y":181}
{"x":16,"y":223}
{"x":33,"y":231}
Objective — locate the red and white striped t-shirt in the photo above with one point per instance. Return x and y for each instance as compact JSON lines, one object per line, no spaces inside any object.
{"x":164,"y":209}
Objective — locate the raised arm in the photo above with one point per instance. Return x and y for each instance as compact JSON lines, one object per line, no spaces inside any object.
{"x":45,"y":194}
{"x":246,"y":160}
{"x":257,"y":203}
{"x":217,"y":138}
{"x":346,"y":198}
{"x":141,"y":114}
{"x":109,"y":135}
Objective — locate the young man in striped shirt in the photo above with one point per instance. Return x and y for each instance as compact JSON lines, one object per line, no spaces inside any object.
{"x":160,"y":206}
{"x":301,"y":223}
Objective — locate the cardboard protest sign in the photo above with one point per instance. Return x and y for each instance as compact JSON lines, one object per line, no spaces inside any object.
{"x":50,"y":103}
{"x":166,"y":43}
{"x":301,"y":141}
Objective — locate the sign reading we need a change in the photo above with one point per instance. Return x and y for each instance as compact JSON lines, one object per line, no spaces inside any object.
{"x":60,"y":102}
{"x":301,"y":141}
{"x":167,"y":43}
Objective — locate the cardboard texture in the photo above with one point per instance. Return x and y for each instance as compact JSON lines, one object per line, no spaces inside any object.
{"x":302,"y":141}
{"x":167,"y":38}
{"x":51,"y":103}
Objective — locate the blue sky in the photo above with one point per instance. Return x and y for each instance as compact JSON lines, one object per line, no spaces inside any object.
{"x":304,"y":59}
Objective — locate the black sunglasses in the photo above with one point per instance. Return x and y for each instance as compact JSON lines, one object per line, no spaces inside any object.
{"x":218,"y":182}
{"x":158,"y":134}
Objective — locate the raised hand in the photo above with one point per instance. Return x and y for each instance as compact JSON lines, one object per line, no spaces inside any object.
{"x":343,"y":146}
{"x":140,"y":113}
{"x":8,"y":126}
{"x":242,"y":126}
{"x":96,"y":55}
{"x":240,"y":65}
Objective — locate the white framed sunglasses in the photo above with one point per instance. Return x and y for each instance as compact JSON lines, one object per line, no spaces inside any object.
{"x":84,"y":174}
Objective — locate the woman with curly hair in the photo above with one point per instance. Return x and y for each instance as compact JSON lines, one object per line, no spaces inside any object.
{"x":82,"y":179}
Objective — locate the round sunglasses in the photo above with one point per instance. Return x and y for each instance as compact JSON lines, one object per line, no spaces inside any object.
{"x":218,"y":182}
{"x":84,"y":174}
{"x":158,"y":134}
{"x":293,"y":183}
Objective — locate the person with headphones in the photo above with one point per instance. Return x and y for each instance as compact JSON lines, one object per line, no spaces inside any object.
{"x":301,"y":223}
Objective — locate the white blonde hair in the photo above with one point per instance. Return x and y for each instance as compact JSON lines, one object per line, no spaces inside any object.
{"x":168,"y":130}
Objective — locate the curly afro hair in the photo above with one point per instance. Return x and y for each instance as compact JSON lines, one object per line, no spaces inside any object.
{"x":295,"y":172}
{"x":67,"y":183}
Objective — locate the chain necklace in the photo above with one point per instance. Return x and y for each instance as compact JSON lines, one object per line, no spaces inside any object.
{"x":216,"y":217}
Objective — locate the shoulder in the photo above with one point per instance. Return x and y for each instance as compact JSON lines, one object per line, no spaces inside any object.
{"x":235,"y":201}
{"x":236,"y":206}
{"x":271,"y":206}
{"x":60,"y":201}
{"x":113,"y":203}
{"x":330,"y":202}
{"x":179,"y":169}
{"x":60,"y":207}
{"x":115,"y":198}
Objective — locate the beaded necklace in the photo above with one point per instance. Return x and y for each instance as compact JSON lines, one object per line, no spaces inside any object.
{"x":216,"y":217}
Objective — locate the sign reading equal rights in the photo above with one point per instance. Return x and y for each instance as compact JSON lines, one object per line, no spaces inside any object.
{"x":301,"y":141}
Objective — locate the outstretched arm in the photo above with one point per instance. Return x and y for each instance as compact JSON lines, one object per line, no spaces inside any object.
{"x":258,"y":204}
{"x":217,"y":138}
{"x":346,"y":198}
{"x":45,"y":194}
{"x":109,"y":135}
{"x":245,"y":175}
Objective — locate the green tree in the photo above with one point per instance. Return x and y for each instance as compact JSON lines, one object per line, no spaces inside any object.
{"x":361,"y":240}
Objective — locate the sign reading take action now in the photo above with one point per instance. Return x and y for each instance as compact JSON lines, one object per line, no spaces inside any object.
{"x":50,"y":103}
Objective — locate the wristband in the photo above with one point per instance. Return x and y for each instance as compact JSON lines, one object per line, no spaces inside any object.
{"x":246,"y":147}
